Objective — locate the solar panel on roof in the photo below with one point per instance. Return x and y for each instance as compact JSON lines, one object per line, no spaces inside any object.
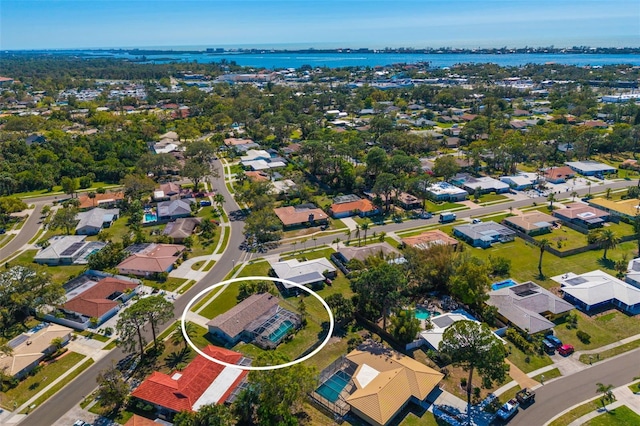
{"x":72,"y":249}
{"x":18,"y":340}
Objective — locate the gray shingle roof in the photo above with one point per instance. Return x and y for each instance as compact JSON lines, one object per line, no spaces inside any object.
{"x":236,"y":319}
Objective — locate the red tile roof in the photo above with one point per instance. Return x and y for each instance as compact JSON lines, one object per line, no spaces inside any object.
{"x":86,"y":202}
{"x":559,"y":172}
{"x":181,"y":394}
{"x":137,"y":420}
{"x":291,"y":215}
{"x":155,"y":258}
{"x":362,"y":205}
{"x":93,"y":303}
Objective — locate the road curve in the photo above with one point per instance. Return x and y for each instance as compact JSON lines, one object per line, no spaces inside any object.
{"x":557,"y":396}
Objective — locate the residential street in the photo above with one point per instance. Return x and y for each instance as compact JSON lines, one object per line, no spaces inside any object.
{"x":552,"y":398}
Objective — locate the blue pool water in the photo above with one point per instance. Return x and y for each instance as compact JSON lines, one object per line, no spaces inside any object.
{"x":423,"y":314}
{"x":330,"y":390}
{"x":503,"y":284}
{"x":150,"y":217}
{"x":280,"y":332}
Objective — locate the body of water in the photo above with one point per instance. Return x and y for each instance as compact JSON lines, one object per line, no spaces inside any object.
{"x":336,"y":60}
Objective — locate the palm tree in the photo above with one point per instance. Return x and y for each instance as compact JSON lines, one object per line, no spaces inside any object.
{"x":348,"y":234}
{"x":219,"y":200}
{"x":92,"y":196}
{"x":177,"y":337}
{"x":574,"y":194}
{"x":336,"y":242}
{"x":607,"y":239}
{"x":178,"y":359}
{"x":365,"y":228}
{"x":57,"y":343}
{"x":551,"y":198}
{"x":543,"y":245}
{"x":358,"y":234}
{"x":607,"y":393}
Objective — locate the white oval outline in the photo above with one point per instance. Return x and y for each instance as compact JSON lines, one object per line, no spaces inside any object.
{"x":267,"y":367}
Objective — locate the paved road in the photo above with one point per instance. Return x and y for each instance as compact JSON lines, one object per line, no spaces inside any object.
{"x":28,"y":230}
{"x":559,"y":395}
{"x":84,"y":384}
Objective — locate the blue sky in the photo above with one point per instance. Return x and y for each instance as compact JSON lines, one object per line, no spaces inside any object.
{"x":58,"y":24}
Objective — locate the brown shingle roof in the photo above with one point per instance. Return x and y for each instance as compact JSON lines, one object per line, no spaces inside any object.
{"x":93,"y":302}
{"x":426,"y":239}
{"x":362,"y":205}
{"x":234,"y":321}
{"x":291,"y":215}
{"x":156,"y":258}
{"x":86,"y":202}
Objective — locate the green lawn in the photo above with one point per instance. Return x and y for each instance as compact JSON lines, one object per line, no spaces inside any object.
{"x":576,"y":413}
{"x":566,"y":237}
{"x":491,"y":198}
{"x":62,"y":383}
{"x":610,"y":352}
{"x":604,"y":329}
{"x":518,"y":358}
{"x":169,"y":285}
{"x":635,"y":388}
{"x":548,"y":375}
{"x":621,"y":416}
{"x":60,"y":274}
{"x":34,"y":384}
{"x":438,"y":207}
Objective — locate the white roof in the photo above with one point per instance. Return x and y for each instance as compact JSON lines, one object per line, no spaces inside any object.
{"x":589,"y":166}
{"x":218,"y":387}
{"x":440,"y":188}
{"x":59,"y":244}
{"x":95,"y":218}
{"x":597,"y":286}
{"x":255,"y":154}
{"x":485,"y":183}
{"x":165,"y":148}
{"x":281,"y":186}
{"x":521,"y":179}
{"x":256,"y":164}
{"x":366,"y":375}
{"x":307,"y":272}
{"x":434,"y":336}
{"x":633,"y":272}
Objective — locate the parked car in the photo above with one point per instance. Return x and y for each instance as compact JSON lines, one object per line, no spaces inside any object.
{"x":474,"y":221}
{"x":554,"y":340}
{"x":566,"y":350}
{"x":2,"y":230}
{"x":205,"y":203}
{"x":548,"y":347}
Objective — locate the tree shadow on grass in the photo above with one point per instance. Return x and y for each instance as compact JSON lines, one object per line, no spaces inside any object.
{"x":606,"y":263}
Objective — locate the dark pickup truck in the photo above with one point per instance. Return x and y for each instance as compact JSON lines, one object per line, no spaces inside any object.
{"x":526,"y":396}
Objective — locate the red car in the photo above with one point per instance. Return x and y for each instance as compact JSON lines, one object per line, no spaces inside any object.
{"x":565,"y":350}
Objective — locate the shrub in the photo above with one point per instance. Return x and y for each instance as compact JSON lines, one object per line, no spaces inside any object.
{"x":463,"y":382}
{"x":519,"y":341}
{"x":584,"y":337}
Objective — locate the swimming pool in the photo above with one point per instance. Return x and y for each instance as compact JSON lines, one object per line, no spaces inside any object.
{"x":424,"y":314}
{"x":331,"y":389}
{"x":280,"y":332}
{"x":503,"y":284}
{"x":150,"y":217}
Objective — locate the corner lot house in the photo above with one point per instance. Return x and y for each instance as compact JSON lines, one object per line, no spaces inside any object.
{"x":590,"y":168}
{"x":149,"y":259}
{"x":30,"y":348}
{"x":430,"y":238}
{"x":303,"y":214}
{"x":528,"y":306}
{"x":484,"y":234}
{"x":583,"y":216}
{"x":380,"y":383}
{"x":258,"y":319}
{"x":200,"y":383}
{"x":67,"y":250}
{"x":596,"y":289}
{"x":309,"y":272}
{"x":93,"y":295}
{"x":534,"y":223}
{"x":91,"y":222}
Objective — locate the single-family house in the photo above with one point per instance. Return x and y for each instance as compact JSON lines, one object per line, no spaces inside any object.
{"x":167,"y":191}
{"x":383,"y":250}
{"x":633,"y":272}
{"x":181,"y":228}
{"x":202,"y":382}
{"x":484,"y":234}
{"x":169,"y":210}
{"x":283,"y":187}
{"x":93,"y":221}
{"x":591,"y":168}
{"x":596,"y":124}
{"x":93,"y":296}
{"x":484,"y":184}
{"x":29,"y":349}
{"x":559,"y":174}
{"x":257,"y":319}
{"x":385,"y":382}
{"x":443,"y":191}
{"x":309,"y":272}
{"x":597,"y":290}
{"x":521,"y":181}
{"x":106,"y":200}
{"x":150,"y":259}
{"x":528,"y":306}
{"x":350,"y":205}
{"x":534,"y":223}
{"x":582,"y":215}
{"x":430,"y":238}
{"x":432,"y":337}
{"x":67,"y":250}
{"x":407,"y":201}
{"x":301,"y":215}
{"x":623,"y":208}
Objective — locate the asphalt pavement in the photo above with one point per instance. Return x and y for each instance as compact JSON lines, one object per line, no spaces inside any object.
{"x":581,"y":386}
